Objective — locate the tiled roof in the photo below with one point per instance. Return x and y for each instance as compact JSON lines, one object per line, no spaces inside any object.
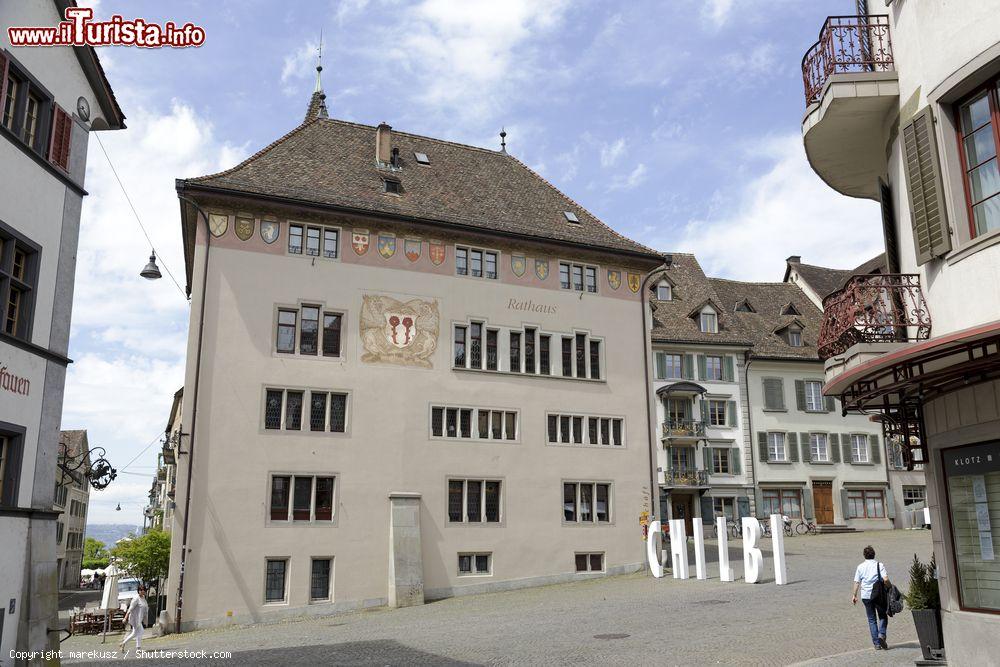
{"x":824,"y":280}
{"x":672,"y":321}
{"x":332,"y":163}
{"x":764,"y":325}
{"x":73,"y":443}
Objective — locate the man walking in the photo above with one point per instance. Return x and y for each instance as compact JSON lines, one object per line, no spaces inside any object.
{"x":869,"y":578}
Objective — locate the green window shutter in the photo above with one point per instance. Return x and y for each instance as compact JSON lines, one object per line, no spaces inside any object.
{"x":835,"y":449}
{"x":731,"y":413}
{"x":707,"y":451}
{"x":793,"y":452}
{"x":661,"y":366}
{"x":807,"y":504}
{"x":829,"y":403}
{"x":762,"y":446}
{"x":875,"y":452}
{"x":704,"y":411}
{"x":707,"y":510}
{"x":735,"y":462}
{"x":742,"y":507}
{"x":890,"y":504}
{"x":701,"y":367}
{"x":687,"y":367}
{"x":924,"y":188}
{"x":844,"y":504}
{"x":804,"y":443}
{"x":845,"y":445}
{"x":727,"y":369}
{"x":800,"y":395}
{"x":758,"y":498}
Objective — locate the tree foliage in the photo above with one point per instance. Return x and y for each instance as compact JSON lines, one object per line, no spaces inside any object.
{"x":146,"y":557}
{"x":923,"y":593}
{"x":95,"y":554}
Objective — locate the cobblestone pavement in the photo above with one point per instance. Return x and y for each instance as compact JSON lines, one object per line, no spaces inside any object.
{"x":632,"y":619}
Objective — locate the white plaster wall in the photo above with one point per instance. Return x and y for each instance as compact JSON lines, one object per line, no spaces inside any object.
{"x":12,"y":563}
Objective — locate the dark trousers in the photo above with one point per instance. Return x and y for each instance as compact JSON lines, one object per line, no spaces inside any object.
{"x":879,"y":627}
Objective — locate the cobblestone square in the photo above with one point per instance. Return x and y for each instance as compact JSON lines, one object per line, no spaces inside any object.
{"x":633,"y":619}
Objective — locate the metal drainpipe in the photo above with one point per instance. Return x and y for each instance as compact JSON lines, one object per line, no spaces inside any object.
{"x":654,"y":490}
{"x":194,"y":410}
{"x":753,"y":461}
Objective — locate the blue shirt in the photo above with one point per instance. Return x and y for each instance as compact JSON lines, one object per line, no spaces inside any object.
{"x":867,"y":574}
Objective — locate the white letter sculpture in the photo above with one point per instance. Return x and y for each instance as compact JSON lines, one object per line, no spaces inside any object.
{"x":725,"y":569}
{"x":678,"y":549}
{"x":753,"y":559}
{"x":699,"y":550}
{"x":653,"y":549}
{"x":778,"y":547}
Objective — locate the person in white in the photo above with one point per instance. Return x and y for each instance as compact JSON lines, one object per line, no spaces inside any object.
{"x":865,"y":576}
{"x":138,"y":609}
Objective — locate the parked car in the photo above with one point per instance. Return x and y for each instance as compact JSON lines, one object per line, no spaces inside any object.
{"x":128,"y":589}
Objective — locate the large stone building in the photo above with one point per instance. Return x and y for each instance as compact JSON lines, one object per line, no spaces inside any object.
{"x":411,"y":374}
{"x":901,"y":108}
{"x":52,"y":98}
{"x":159,"y":512}
{"x":72,"y":502}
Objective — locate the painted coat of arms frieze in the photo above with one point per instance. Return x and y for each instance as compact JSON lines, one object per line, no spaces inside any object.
{"x":399,"y":332}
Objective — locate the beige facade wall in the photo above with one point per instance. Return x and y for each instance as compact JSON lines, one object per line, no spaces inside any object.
{"x":801,"y":475}
{"x":387,"y":447}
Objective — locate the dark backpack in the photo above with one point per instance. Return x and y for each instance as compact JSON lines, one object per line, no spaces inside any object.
{"x":879,"y":597}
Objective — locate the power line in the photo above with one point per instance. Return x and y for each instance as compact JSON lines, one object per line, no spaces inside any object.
{"x":136,"y":213}
{"x":155,"y":439}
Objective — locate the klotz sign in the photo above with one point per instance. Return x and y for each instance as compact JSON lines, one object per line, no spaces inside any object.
{"x":753,"y":558}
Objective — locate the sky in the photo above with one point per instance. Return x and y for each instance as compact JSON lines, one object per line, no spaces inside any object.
{"x":676,"y":122}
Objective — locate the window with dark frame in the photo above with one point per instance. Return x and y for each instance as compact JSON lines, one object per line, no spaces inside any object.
{"x":293,"y":410}
{"x":782,"y":501}
{"x":476,"y":345}
{"x":312,"y":241}
{"x":330,"y":242}
{"x":474,"y":564}
{"x":309,"y":334}
{"x":10,"y":469}
{"x":581,"y":355}
{"x":287,"y":325}
{"x":544,"y":363}
{"x":492,"y":355}
{"x":529,"y":350}
{"x":459,"y":355}
{"x":18,"y":274}
{"x":589,"y":562}
{"x":476,"y":262}
{"x":302,"y":498}
{"x":274,"y":587}
{"x":331,"y":334}
{"x":319,"y":581}
{"x":272,"y":408}
{"x":979,"y":141}
{"x":577,"y":277}
{"x":474,"y":501}
{"x":866,"y":504}
{"x":595,"y":360}
{"x":567,"y":356}
{"x":30,"y":113}
{"x":295,"y":233}
{"x":515,"y":351}
{"x":461,"y":261}
{"x":586,"y":502}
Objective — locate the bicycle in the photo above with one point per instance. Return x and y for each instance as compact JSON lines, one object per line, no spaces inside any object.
{"x":806,"y":526}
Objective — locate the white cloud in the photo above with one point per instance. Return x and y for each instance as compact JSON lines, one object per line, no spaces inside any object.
{"x":717,"y":11}
{"x":298,"y":65}
{"x":611,"y":152}
{"x":129,"y":335}
{"x":785,"y":210}
{"x":633,"y":179}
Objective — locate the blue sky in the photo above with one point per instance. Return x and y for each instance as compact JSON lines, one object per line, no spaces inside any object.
{"x":677,"y":123}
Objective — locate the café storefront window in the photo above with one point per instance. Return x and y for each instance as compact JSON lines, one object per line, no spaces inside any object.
{"x":972,"y":479}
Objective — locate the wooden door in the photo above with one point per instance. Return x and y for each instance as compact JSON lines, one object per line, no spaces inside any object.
{"x":823,"y":502}
{"x":683,"y":509}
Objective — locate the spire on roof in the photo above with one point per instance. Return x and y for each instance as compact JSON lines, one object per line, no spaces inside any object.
{"x":317,"y":103}
{"x":503,"y":140}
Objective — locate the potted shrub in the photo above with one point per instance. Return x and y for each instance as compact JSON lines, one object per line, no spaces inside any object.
{"x":924,"y":602}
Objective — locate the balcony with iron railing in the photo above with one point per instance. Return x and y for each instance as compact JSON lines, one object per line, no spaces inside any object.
{"x":685,"y":477}
{"x":850,"y":86}
{"x":683,"y":429}
{"x":877,"y":308}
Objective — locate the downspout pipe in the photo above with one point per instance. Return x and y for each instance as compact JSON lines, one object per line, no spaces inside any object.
{"x":747,"y":360}
{"x":647,"y":344}
{"x":194,"y":412}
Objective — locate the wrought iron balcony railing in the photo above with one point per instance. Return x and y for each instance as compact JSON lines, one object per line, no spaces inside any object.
{"x":846,"y":44}
{"x":685,"y":477}
{"x":877,"y":308}
{"x":683,"y":428}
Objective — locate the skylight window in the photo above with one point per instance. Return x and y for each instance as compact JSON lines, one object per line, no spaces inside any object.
{"x":571,"y":217}
{"x":421,"y":158}
{"x":790,"y":309}
{"x":393,"y":187}
{"x":744,"y":307}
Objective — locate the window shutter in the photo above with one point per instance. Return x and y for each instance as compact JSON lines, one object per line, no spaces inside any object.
{"x":924,"y":189}
{"x":807,"y":505}
{"x":804,"y":442}
{"x":833,"y":440}
{"x":730,"y":413}
{"x":874,"y":451}
{"x":707,"y":510}
{"x":734,"y":461}
{"x":742,"y":507}
{"x":829,"y":403}
{"x":661,"y":365}
{"x":758,"y":498}
{"x":791,"y":452}
{"x":774,"y":394}
{"x":844,"y":504}
{"x":3,"y":80}
{"x":762,"y":446}
{"x":62,"y":135}
{"x":701,"y":366}
{"x":845,"y":444}
{"x":704,"y":412}
{"x":727,"y":369}
{"x":687,"y":367}
{"x":889,"y":227}
{"x":707,"y":451}
{"x":890,"y":504}
{"x":800,"y":395}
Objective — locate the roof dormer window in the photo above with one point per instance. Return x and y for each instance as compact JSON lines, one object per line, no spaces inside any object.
{"x":664,"y":291}
{"x":744,"y":307}
{"x":392,"y":186}
{"x":790,"y":309}
{"x":708,"y":321}
{"x":795,"y":337}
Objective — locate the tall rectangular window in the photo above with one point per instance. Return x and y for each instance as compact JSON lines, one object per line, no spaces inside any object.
{"x":567,"y":357}
{"x":581,"y":355}
{"x":293,"y":410}
{"x":338,"y":413}
{"x":776,"y":447}
{"x":312,"y":241}
{"x":460,"y":346}
{"x":280,"y":489}
{"x":578,"y":278}
{"x":295,"y":239}
{"x":544,"y":363}
{"x":31,"y":118}
{"x":317,"y":411}
{"x":515,"y":351}
{"x":595,"y":360}
{"x":491,"y":349}
{"x":668,"y":366}
{"x":590,"y":277}
{"x":709,"y":322}
{"x":302,"y":496}
{"x":309,"y":336}
{"x":331,"y":334}
{"x":319,"y":582}
{"x":18,"y":260}
{"x":10,"y":102}
{"x":529,"y":350}
{"x":274,"y":587}
{"x":713,"y":368}
{"x":324,"y":498}
{"x":456,"y":492}
{"x":461,"y":261}
{"x":476,"y":263}
{"x":980,"y":138}
{"x":490,"y":260}
{"x":330,"y":243}
{"x":814,"y":396}
{"x":819,"y":447}
{"x":272,"y":408}
{"x":564,"y":275}
{"x":859,"y":448}
{"x":476,"y":345}
{"x":286,"y":331}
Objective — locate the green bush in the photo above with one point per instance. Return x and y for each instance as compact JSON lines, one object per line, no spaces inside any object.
{"x":923,"y":593}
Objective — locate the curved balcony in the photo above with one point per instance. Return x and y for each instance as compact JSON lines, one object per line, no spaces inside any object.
{"x":877,"y":308}
{"x":683,"y":429}
{"x":850,"y":87}
{"x":688,"y":477}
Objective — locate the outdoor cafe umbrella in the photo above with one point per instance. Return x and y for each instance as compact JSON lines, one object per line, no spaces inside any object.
{"x":109,"y":596}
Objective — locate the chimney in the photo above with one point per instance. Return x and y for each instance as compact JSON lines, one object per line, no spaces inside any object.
{"x":794,"y":259}
{"x":383,"y":143}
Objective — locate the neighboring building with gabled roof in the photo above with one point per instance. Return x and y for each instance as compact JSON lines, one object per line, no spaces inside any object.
{"x":417,"y":371}
{"x":819,"y":281}
{"x":72,"y":501}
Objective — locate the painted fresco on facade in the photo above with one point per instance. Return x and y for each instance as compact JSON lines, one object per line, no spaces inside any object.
{"x":218,"y":223}
{"x":398,"y":332}
{"x":360,"y":240}
{"x":386,"y":245}
{"x":436,"y":251}
{"x":614,"y":279}
{"x":269,"y":230}
{"x":244,"y":228}
{"x":542,"y":268}
{"x":411,"y":248}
